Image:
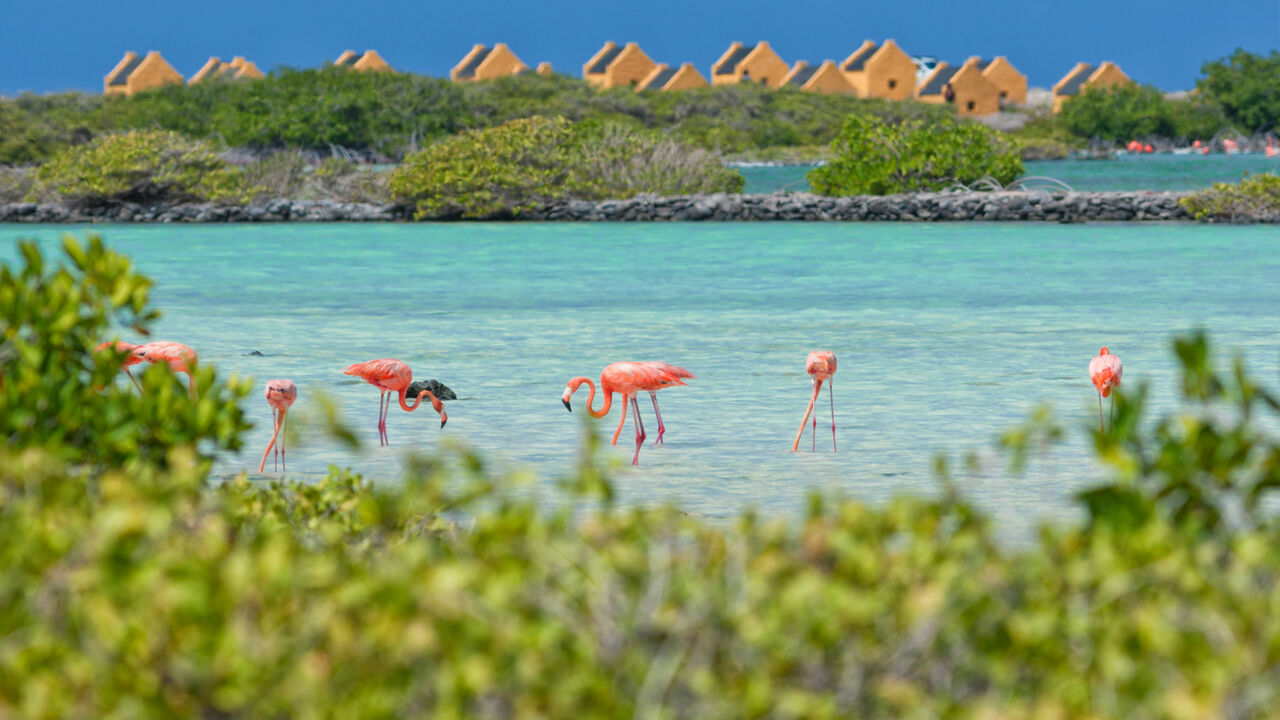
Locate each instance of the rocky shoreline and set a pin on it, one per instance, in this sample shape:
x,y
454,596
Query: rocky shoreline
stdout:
x,y
1058,206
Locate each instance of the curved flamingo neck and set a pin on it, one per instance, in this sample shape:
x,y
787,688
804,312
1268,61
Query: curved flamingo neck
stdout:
x,y
416,401
591,396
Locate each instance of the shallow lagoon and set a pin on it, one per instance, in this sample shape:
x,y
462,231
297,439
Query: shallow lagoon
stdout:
x,y
947,334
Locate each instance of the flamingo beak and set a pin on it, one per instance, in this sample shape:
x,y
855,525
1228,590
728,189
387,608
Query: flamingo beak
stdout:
x,y
443,420
566,405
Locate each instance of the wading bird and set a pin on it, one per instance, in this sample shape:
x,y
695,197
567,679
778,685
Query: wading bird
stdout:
x,y
130,359
821,365
629,379
280,396
179,358
1105,371
393,376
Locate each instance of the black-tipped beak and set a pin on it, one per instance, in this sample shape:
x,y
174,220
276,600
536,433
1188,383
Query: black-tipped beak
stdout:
x,y
566,405
443,421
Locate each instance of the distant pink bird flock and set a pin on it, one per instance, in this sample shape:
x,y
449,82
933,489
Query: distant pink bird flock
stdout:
x,y
628,379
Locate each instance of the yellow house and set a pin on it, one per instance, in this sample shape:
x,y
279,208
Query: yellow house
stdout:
x,y
971,92
618,66
880,71
749,63
1085,77
370,60
134,74
238,68
665,77
824,78
487,63
544,68
1011,84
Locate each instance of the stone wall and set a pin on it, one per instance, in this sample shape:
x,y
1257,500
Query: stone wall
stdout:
x,y
986,206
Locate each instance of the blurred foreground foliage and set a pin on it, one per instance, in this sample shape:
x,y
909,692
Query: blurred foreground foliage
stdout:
x,y
132,586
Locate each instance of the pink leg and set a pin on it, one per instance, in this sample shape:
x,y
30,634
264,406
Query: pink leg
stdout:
x,y
275,457
635,408
382,419
661,429
284,423
805,421
133,379
832,394
622,418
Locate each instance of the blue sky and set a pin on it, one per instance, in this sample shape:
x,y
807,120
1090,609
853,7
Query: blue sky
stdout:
x,y
56,45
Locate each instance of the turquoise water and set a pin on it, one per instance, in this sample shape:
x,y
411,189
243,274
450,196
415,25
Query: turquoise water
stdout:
x,y
1127,172
947,334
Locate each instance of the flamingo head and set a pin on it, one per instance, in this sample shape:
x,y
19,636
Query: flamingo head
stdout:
x,y
439,408
569,390
1104,351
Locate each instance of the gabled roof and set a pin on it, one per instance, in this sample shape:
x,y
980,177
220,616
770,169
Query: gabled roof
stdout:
x,y
122,76
731,63
348,58
802,74
938,80
602,63
859,59
1073,83
469,70
659,79
982,64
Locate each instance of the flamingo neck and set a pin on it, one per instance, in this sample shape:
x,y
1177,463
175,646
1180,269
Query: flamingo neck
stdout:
x,y
591,396
416,401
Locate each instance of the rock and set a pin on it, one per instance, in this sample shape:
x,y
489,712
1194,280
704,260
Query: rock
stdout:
x,y
254,353
436,387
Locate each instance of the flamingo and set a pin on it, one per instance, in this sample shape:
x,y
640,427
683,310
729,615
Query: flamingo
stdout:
x,y
389,375
821,366
130,358
629,379
179,358
1105,371
280,396
1272,151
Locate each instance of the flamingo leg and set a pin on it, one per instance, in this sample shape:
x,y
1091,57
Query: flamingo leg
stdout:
x,y
263,464
382,423
1100,426
621,419
635,409
661,429
284,423
832,393
275,415
809,410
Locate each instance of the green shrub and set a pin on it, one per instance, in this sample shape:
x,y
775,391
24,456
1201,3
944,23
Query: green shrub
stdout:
x,y
1128,112
1255,197
1244,85
129,587
139,166
527,164
287,174
877,158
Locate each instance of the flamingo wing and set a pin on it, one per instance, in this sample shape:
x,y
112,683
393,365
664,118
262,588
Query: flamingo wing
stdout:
x,y
629,377
383,373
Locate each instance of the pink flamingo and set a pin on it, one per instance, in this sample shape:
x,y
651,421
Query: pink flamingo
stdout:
x,y
821,366
123,347
393,376
1272,151
1105,371
280,396
179,358
629,379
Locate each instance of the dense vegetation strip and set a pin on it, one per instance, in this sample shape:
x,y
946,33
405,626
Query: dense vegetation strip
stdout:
x,y
132,586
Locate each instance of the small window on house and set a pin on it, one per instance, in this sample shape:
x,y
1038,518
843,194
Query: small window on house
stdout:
x,y
764,81
893,84
633,83
971,105
1004,95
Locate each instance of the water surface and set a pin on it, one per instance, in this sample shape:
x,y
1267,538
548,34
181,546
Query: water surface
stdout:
x,y
946,335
